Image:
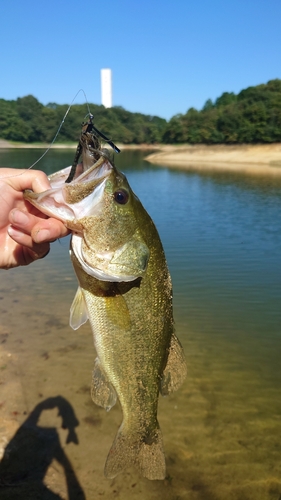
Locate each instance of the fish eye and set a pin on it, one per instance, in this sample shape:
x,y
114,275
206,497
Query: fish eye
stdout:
x,y
121,196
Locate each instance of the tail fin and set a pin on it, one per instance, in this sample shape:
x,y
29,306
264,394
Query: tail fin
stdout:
x,y
146,453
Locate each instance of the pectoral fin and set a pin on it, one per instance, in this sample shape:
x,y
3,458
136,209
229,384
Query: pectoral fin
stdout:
x,y
102,392
78,311
131,259
175,370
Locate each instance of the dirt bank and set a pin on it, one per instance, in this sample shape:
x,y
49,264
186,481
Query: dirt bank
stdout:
x,y
11,145
247,158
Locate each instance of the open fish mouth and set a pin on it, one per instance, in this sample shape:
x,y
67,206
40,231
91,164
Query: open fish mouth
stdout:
x,y
77,199
97,171
77,190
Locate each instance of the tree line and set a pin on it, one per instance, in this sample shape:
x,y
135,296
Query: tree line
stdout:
x,y
27,120
251,116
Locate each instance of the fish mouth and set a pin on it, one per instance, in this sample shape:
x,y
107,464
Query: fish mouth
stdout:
x,y
72,201
99,170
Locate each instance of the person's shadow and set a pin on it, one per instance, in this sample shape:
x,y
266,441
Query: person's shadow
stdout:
x,y
31,451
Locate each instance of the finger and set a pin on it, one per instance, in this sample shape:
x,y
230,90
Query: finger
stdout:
x,y
41,230
48,230
23,221
26,179
38,250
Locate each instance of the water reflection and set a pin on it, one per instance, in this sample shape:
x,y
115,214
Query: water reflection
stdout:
x,y
32,450
24,158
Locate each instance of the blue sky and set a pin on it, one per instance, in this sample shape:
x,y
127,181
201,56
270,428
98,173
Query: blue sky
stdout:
x,y
165,56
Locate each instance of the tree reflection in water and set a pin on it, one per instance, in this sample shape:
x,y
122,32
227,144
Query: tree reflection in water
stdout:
x,y
31,451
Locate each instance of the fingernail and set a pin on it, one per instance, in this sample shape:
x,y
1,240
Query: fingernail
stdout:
x,y
20,217
42,235
13,232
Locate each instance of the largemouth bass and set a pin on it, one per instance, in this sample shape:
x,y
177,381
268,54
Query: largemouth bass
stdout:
x,y
125,291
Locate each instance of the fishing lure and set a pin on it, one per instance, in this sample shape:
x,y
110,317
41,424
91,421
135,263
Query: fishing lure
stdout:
x,y
90,138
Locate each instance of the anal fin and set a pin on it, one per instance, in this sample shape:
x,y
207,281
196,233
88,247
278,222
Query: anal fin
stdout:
x,y
102,392
175,370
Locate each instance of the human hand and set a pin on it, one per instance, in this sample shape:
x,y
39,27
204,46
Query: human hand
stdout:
x,y
25,232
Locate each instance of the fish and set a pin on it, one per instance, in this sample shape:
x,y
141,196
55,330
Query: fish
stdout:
x,y
125,291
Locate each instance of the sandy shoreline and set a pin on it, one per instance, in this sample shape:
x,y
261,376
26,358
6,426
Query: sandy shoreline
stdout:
x,y
255,159
10,145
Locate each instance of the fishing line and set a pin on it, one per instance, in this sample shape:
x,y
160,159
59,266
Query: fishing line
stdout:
x,y
55,137
61,124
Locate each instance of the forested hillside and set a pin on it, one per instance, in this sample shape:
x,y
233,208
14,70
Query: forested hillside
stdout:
x,y
252,116
27,120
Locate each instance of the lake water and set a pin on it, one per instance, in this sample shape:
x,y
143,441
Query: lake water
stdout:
x,y
222,430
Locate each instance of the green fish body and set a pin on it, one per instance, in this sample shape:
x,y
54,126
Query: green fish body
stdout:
x,y
125,291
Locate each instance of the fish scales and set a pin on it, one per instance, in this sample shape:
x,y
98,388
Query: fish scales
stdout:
x,y
125,291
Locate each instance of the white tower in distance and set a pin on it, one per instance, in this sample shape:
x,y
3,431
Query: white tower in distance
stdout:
x,y
106,88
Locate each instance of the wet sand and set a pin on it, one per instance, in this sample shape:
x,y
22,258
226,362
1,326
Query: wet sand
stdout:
x,y
214,449
218,446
